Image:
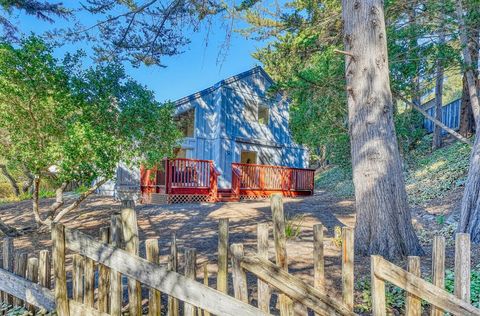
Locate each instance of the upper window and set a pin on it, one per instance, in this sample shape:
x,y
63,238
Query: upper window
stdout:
x,y
186,123
257,112
263,114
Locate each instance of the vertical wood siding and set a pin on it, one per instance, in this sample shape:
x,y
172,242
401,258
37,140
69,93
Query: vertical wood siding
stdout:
x,y
450,116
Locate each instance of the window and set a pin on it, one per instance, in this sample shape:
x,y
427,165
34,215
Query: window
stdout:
x,y
257,112
186,123
263,114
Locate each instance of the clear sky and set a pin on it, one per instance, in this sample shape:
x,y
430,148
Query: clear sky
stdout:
x,y
197,68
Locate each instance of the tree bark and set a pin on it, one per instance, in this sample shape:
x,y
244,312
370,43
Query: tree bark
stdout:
x,y
467,121
470,209
384,224
35,201
10,179
437,131
29,181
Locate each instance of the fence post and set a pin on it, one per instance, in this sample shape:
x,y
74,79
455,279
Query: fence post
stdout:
x,y
239,277
286,304
190,272
103,276
462,266
222,275
154,298
58,254
77,278
32,275
44,269
347,266
263,289
130,237
438,269
379,306
20,269
89,277
173,266
318,257
115,277
8,264
205,282
413,305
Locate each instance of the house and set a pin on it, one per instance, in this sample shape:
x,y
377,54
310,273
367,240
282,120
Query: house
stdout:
x,y
236,137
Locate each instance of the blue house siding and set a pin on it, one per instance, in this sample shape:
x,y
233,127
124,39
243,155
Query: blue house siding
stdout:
x,y
450,116
222,129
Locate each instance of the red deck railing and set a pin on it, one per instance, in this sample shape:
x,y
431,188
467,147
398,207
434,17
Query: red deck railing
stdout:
x,y
198,177
180,176
251,179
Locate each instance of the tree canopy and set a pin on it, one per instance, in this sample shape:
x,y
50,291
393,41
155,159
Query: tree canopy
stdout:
x,y
65,124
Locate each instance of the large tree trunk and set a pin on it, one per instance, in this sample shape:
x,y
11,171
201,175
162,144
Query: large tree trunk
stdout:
x,y
467,121
384,224
470,209
437,131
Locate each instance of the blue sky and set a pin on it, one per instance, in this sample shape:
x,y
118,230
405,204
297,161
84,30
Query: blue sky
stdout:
x,y
197,68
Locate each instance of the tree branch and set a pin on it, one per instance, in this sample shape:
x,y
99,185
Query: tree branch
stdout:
x,y
10,179
434,120
79,200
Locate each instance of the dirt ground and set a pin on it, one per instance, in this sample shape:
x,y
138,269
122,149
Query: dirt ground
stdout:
x,y
195,225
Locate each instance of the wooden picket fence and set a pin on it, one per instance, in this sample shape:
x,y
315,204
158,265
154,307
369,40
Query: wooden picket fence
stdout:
x,y
95,284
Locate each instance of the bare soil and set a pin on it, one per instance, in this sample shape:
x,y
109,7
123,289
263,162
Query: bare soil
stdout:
x,y
195,225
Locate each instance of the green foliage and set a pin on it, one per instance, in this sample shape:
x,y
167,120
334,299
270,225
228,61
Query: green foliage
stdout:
x,y
66,124
293,225
409,128
337,180
432,174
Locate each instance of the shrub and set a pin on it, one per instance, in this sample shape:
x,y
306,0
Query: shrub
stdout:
x,y
337,180
293,225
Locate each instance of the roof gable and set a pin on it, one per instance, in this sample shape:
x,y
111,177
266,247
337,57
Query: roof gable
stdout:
x,y
221,83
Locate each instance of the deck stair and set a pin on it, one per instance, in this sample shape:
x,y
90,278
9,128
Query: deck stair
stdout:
x,y
226,195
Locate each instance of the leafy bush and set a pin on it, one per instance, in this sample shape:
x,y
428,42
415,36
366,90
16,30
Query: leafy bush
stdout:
x,y
337,180
432,174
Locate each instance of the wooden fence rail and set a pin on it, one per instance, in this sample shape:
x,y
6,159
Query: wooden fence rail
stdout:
x,y
116,257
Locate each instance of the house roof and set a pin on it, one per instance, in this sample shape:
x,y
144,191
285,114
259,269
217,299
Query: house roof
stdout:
x,y
221,83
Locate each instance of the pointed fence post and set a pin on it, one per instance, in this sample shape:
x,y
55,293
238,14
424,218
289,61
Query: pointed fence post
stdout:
x,y
154,298
239,277
8,256
438,269
131,239
116,291
173,303
462,266
222,275
379,305
347,266
103,276
263,288
413,305
278,216
32,275
58,254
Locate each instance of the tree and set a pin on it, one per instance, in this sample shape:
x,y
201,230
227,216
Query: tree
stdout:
x,y
383,223
43,10
437,131
68,125
470,209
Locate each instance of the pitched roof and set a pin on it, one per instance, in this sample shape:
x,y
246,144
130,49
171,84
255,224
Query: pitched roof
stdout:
x,y
221,83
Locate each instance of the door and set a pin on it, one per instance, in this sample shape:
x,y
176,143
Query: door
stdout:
x,y
248,157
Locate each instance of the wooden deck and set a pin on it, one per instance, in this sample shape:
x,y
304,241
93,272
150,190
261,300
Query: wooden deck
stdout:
x,y
193,180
